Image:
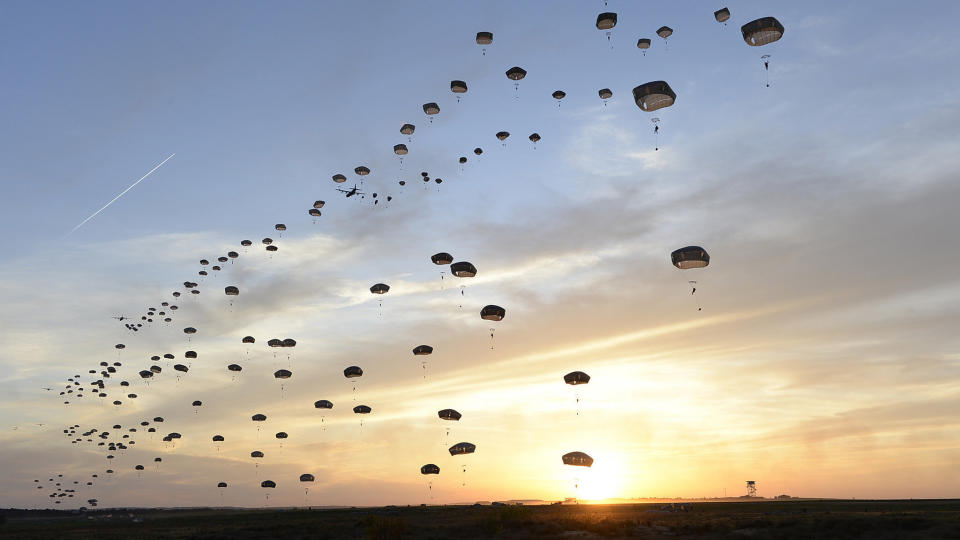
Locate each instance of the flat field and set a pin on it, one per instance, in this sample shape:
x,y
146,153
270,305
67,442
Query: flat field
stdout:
x,y
798,519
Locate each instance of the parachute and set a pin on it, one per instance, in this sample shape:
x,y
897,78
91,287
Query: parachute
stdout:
x,y
690,257
362,170
352,371
515,74
181,367
380,288
762,31
400,149
282,374
534,138
577,459
449,414
268,484
248,243
458,87
362,409
306,478
221,484
318,204
197,403
339,178
665,32
218,438
431,109
463,269
462,448
248,339
235,367
323,404
605,23
119,346
280,227
643,44
429,468
654,95
493,313
231,290
256,454
484,38
422,350
576,377
722,15
258,417
503,135
441,258
281,435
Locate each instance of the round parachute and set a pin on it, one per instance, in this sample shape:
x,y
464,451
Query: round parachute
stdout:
x,y
361,409
576,377
323,404
339,178
400,149
463,269
762,31
516,73
431,108
606,21
268,484
458,87
493,313
690,257
282,374
665,32
422,350
577,459
654,95
352,372
258,417
408,129
449,414
248,339
429,468
484,38
722,15
306,478
380,288
462,448
441,258
231,290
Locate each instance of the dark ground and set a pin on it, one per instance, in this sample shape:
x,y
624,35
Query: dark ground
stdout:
x,y
803,519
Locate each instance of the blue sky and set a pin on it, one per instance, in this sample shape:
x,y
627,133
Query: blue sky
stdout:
x,y
821,200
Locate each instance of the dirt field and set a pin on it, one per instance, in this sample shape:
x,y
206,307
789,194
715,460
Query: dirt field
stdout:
x,y
875,520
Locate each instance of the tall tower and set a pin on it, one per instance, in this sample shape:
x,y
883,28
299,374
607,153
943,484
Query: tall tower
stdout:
x,y
751,488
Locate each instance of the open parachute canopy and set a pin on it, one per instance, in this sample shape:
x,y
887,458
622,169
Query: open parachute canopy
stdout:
x,y
762,31
493,313
577,459
352,371
323,404
722,14
462,448
422,350
606,21
449,414
654,95
463,269
690,257
380,288
429,468
576,377
441,258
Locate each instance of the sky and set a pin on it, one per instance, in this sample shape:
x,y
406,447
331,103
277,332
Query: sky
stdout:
x,y
824,360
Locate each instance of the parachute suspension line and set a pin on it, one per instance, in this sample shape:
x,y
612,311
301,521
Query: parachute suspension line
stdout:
x,y
656,133
766,67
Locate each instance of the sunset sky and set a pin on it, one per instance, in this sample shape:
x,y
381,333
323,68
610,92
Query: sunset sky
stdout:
x,y
825,361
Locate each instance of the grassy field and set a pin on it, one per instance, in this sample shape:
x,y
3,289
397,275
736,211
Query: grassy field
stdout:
x,y
875,520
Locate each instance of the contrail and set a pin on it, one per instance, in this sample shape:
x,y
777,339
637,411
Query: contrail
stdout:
x,y
93,215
